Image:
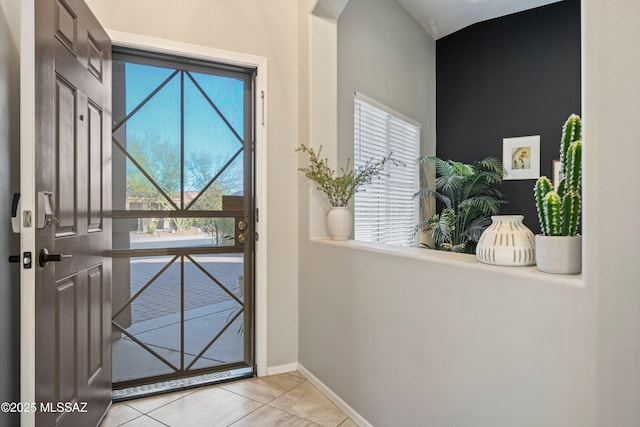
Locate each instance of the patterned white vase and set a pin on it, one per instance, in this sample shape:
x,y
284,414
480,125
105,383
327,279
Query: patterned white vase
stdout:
x,y
507,241
340,222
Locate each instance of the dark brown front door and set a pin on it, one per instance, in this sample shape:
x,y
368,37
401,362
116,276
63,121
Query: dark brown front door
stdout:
x,y
73,151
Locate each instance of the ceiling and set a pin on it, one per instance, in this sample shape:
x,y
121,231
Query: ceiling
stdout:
x,y
443,17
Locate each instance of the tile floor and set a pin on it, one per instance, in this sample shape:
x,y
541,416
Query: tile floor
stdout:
x,y
286,400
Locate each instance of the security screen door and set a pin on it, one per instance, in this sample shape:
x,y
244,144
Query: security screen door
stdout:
x,y
183,221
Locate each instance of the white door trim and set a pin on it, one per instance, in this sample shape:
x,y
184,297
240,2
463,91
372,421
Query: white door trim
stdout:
x,y
27,196
218,55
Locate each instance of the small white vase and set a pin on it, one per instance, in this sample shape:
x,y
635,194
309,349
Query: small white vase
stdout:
x,y
559,254
340,222
507,241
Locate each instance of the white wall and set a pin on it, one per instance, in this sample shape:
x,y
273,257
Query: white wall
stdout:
x,y
611,93
267,29
9,175
418,342
385,54
408,342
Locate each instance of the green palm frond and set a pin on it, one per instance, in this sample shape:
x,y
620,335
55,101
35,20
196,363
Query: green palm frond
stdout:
x,y
442,226
490,164
470,198
450,183
443,167
486,204
477,227
462,169
494,192
427,192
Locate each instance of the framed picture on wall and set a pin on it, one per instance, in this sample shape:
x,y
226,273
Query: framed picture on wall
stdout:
x,y
556,174
521,157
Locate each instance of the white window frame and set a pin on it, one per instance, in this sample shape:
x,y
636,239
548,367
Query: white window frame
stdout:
x,y
382,197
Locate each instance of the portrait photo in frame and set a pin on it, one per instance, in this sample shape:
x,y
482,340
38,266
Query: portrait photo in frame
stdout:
x,y
521,157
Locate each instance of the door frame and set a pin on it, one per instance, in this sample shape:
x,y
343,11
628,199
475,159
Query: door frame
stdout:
x,y
27,203
27,183
170,47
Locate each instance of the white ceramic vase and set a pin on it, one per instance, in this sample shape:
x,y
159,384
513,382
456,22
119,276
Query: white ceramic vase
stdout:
x,y
340,222
559,254
507,241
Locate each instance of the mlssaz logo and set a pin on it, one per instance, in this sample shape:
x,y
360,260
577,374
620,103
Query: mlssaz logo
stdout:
x,y
63,407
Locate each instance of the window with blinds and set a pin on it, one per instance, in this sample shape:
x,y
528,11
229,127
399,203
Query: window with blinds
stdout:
x,y
386,211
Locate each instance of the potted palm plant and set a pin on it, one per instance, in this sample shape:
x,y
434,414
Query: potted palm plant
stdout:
x,y
339,189
468,197
559,248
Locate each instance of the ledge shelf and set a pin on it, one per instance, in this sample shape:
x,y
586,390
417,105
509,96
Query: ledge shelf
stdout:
x,y
457,260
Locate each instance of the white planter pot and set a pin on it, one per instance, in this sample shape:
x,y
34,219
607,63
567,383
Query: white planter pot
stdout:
x,y
340,222
507,241
559,254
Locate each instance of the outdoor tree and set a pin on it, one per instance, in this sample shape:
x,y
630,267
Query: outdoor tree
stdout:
x,y
202,168
160,160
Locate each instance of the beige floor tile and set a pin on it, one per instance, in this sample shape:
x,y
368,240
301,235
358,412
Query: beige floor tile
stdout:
x,y
297,374
272,417
348,423
309,403
263,389
143,421
148,404
118,414
208,407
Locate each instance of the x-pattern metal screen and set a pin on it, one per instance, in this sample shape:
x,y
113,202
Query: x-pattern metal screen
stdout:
x,y
183,218
180,75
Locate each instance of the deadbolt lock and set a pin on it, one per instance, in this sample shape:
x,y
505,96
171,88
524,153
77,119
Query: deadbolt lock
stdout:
x,y
242,225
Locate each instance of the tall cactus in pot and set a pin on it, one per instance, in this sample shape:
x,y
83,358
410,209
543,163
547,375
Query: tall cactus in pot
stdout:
x,y
559,212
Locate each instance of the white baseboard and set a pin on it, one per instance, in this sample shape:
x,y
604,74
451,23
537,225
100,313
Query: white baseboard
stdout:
x,y
344,407
282,369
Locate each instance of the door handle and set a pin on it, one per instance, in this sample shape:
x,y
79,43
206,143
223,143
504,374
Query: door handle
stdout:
x,y
45,257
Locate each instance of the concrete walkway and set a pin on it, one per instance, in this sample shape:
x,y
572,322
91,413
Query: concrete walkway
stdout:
x,y
156,316
162,297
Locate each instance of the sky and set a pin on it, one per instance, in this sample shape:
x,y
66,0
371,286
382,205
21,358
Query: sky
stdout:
x,y
205,133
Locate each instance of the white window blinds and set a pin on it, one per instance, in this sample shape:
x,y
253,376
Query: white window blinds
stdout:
x,y
386,211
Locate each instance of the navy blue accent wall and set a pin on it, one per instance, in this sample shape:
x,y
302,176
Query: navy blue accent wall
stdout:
x,y
517,75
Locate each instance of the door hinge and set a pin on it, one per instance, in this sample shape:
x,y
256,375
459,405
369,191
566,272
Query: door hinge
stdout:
x,y
257,215
262,108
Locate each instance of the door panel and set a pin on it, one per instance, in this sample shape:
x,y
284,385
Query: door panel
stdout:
x,y
73,293
94,116
66,29
95,55
66,333
95,338
66,157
